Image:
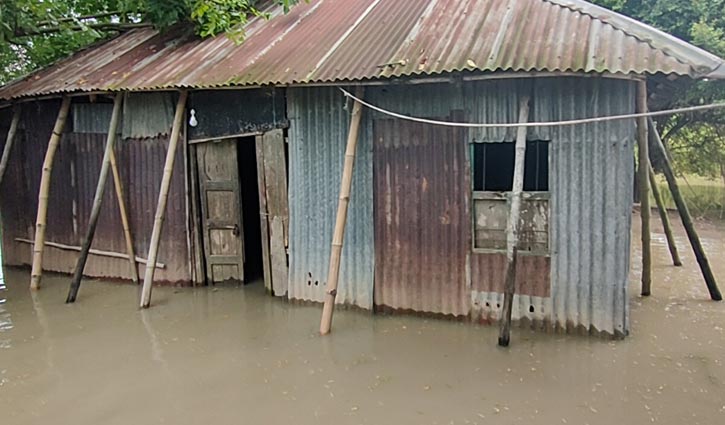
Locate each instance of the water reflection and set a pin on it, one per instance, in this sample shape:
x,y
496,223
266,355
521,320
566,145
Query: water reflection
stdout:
x,y
6,322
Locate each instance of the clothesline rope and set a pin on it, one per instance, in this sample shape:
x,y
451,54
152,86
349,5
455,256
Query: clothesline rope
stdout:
x,y
535,124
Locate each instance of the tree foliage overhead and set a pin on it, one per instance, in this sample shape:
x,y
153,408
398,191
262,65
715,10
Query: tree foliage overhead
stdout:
x,y
35,33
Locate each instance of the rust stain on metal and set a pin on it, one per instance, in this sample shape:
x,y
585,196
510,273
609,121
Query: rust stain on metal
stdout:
x,y
533,274
422,217
352,40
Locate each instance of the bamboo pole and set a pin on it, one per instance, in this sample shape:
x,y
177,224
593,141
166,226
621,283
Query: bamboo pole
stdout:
x,y
118,185
99,252
163,198
9,141
339,233
40,222
97,200
512,231
685,215
643,181
665,219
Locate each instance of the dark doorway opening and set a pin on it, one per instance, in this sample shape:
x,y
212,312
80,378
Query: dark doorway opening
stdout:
x,y
249,188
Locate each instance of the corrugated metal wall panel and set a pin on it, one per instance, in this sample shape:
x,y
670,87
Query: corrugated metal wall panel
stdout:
x,y
73,183
591,183
422,217
591,169
317,137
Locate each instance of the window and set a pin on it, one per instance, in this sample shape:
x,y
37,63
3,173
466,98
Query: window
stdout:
x,y
493,167
493,173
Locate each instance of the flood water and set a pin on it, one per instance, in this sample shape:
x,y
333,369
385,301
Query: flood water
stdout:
x,y
235,356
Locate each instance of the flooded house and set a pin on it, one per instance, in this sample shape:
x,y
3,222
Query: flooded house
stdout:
x,y
255,182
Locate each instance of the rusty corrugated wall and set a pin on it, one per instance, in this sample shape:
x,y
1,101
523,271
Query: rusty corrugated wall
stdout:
x,y
590,194
73,182
422,217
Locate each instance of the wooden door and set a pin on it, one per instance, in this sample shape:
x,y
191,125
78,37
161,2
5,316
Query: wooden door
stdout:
x,y
272,175
221,210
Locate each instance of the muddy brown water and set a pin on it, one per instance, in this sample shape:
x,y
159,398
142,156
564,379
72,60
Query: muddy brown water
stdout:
x,y
235,356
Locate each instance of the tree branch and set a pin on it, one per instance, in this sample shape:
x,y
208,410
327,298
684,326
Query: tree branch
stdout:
x,y
55,22
106,26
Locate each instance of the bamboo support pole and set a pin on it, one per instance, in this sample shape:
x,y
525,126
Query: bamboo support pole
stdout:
x,y
339,233
665,219
512,232
685,215
40,222
163,198
118,185
9,141
643,182
97,200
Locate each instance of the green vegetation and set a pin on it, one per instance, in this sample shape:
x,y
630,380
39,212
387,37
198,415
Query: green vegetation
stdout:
x,y
36,33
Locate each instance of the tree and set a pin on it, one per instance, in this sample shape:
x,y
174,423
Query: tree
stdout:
x,y
36,33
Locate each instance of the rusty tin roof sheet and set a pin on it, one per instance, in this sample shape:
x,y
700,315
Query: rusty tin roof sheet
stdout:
x,y
348,40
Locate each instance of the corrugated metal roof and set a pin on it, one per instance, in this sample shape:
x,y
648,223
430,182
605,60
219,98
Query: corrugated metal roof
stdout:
x,y
345,40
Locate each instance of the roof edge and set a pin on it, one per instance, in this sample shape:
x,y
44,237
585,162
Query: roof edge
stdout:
x,y
675,46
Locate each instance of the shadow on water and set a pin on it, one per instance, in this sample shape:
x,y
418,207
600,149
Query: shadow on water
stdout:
x,y
235,355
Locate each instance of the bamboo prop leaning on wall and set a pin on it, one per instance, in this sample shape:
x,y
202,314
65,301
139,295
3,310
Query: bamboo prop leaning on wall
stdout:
x,y
40,222
664,218
684,214
512,232
97,200
163,198
118,185
643,182
9,141
338,237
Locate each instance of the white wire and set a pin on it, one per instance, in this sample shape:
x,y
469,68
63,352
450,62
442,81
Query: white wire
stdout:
x,y
535,124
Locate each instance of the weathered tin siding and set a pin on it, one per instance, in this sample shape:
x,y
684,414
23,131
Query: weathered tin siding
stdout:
x,y
74,178
317,137
422,217
591,169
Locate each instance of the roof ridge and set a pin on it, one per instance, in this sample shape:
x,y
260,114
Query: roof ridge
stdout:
x,y
590,9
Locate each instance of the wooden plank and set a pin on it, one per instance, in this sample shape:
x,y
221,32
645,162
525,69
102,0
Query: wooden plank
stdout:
x,y
9,141
98,252
513,224
43,193
278,258
275,178
196,225
643,184
685,216
263,214
98,201
665,219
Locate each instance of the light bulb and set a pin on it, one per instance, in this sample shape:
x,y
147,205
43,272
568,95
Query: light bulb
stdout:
x,y
192,121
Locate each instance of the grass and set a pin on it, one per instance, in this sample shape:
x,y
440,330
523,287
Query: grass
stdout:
x,y
705,197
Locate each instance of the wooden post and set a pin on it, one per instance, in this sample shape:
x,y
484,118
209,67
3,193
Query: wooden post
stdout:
x,y
97,201
685,215
643,179
338,236
512,232
9,141
40,222
118,185
665,219
163,198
